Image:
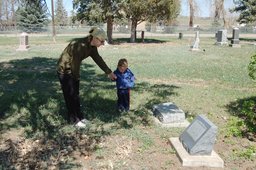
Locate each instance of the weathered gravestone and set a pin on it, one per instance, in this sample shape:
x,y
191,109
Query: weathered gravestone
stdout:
x,y
23,42
222,37
195,45
168,113
195,145
199,137
235,38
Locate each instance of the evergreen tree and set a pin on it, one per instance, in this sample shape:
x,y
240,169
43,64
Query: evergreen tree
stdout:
x,y
32,16
61,15
247,9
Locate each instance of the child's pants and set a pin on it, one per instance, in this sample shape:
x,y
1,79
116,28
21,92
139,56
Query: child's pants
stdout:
x,y
123,102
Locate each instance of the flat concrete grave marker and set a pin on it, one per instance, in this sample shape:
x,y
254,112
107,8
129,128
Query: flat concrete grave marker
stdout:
x,y
170,115
195,145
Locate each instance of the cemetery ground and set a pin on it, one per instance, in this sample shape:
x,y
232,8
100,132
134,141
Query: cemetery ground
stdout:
x,y
35,135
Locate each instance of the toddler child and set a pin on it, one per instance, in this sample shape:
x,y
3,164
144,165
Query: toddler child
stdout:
x,y
124,82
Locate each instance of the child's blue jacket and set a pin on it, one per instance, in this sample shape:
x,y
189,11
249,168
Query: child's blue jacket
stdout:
x,y
125,80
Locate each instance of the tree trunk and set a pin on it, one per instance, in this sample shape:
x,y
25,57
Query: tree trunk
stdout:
x,y
6,13
191,13
133,31
223,14
110,29
153,27
53,23
1,7
220,11
13,14
217,11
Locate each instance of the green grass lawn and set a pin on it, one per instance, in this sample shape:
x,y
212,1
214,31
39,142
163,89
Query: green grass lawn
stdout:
x,y
210,81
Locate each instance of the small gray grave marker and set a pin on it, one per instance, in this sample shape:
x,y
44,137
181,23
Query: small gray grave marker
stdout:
x,y
235,38
168,113
180,35
222,37
199,137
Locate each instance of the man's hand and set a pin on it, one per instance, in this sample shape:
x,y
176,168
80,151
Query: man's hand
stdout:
x,y
112,76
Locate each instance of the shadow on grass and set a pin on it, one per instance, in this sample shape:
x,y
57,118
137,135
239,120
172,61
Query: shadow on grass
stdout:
x,y
103,108
31,98
236,107
138,40
143,113
245,39
246,110
26,86
118,41
248,39
31,95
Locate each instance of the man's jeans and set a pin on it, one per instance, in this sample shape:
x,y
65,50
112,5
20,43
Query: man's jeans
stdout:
x,y
70,88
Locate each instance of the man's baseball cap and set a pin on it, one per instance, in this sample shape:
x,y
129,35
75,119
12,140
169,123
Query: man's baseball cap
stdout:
x,y
98,33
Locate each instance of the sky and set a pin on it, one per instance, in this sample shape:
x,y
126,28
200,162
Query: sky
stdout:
x,y
204,6
67,4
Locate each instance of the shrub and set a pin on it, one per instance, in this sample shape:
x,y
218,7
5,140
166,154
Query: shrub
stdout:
x,y
252,67
249,111
235,127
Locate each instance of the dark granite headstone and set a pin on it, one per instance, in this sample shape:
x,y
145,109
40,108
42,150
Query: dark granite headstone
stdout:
x,y
235,38
199,137
180,35
222,37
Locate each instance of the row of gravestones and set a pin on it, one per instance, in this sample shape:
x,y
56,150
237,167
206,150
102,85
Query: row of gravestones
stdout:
x,y
221,37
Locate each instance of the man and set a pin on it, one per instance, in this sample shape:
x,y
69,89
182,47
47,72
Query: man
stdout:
x,y
68,70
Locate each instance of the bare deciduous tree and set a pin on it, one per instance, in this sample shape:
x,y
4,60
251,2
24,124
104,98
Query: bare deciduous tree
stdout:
x,y
219,12
191,12
7,13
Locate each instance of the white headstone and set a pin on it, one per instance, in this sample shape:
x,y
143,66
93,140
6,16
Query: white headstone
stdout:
x,y
195,46
23,42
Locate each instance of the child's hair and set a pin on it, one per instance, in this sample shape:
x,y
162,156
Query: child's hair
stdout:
x,y
122,62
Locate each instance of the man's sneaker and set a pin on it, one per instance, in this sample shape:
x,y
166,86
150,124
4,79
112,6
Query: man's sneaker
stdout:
x,y
80,124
